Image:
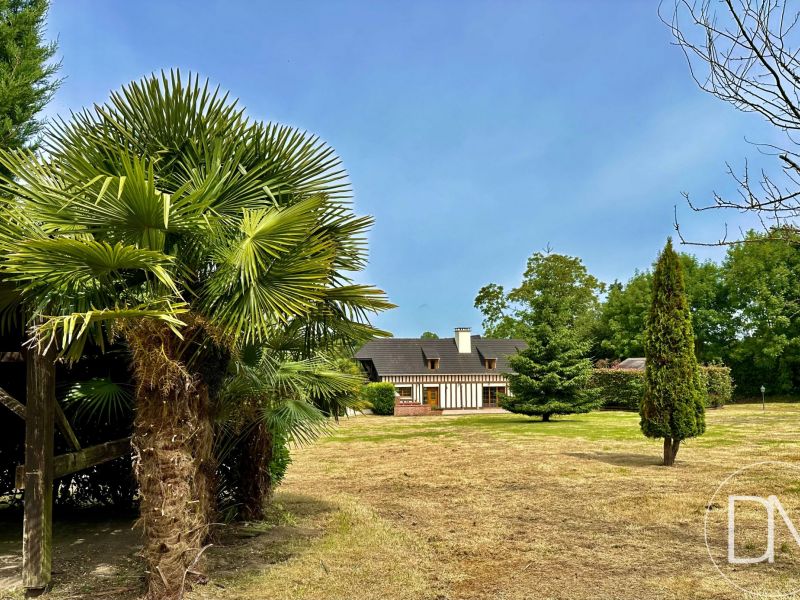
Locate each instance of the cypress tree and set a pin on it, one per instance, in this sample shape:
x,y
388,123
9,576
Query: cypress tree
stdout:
x,y
27,77
672,407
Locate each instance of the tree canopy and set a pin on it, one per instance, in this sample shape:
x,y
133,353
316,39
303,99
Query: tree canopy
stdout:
x,y
556,290
744,313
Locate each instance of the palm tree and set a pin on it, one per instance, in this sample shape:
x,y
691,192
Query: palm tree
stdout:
x,y
268,401
166,219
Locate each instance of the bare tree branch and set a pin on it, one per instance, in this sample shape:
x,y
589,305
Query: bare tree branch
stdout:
x,y
747,53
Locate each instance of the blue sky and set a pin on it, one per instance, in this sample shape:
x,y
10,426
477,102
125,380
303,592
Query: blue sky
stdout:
x,y
475,132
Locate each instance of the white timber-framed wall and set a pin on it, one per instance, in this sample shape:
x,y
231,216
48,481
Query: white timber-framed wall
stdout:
x,y
455,391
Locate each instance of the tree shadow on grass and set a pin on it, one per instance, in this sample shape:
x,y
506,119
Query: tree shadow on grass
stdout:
x,y
518,420
620,459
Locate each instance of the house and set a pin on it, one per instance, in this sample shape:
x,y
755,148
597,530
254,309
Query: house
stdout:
x,y
465,371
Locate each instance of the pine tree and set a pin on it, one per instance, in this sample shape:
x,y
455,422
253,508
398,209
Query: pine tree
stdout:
x,y
27,78
551,376
672,407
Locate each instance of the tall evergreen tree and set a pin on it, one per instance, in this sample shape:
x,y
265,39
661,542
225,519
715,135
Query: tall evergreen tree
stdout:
x,y
672,407
551,376
27,77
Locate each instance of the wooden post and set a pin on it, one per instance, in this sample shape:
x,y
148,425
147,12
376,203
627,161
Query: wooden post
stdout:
x,y
37,536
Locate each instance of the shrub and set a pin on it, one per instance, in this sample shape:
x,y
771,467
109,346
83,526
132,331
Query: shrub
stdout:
x,y
281,458
619,388
380,396
719,385
624,388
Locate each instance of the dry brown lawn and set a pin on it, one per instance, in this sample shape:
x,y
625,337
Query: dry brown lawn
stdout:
x,y
503,507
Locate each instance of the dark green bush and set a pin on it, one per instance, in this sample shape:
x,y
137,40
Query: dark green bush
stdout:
x,y
280,459
380,396
624,388
719,385
619,388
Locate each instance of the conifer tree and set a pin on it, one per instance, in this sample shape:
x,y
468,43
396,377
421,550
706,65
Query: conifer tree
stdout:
x,y
27,77
672,407
551,377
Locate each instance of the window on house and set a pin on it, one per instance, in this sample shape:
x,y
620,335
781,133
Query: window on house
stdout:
x,y
404,392
491,395
490,363
433,364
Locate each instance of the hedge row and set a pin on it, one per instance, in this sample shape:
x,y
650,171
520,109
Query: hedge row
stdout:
x,y
380,396
624,388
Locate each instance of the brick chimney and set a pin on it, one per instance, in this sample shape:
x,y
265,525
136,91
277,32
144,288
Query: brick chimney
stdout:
x,y
464,340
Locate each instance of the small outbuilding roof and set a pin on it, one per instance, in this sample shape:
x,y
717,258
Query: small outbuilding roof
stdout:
x,y
632,363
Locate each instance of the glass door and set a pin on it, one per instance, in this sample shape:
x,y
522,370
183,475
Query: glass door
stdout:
x,y
432,396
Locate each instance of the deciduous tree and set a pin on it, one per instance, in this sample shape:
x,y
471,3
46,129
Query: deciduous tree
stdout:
x,y
554,287
744,52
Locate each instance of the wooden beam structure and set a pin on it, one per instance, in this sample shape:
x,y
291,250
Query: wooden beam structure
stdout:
x,y
67,464
37,534
42,414
66,429
12,404
73,462
62,422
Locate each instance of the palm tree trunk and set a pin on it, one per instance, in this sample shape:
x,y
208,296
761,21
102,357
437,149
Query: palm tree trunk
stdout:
x,y
172,448
205,480
254,475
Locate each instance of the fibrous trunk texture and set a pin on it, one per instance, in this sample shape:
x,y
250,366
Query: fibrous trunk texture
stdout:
x,y
172,445
254,477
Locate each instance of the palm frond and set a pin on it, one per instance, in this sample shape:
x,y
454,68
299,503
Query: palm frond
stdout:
x,y
70,332
98,399
299,420
73,266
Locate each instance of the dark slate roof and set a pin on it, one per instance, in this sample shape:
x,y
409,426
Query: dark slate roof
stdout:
x,y
631,363
403,356
430,350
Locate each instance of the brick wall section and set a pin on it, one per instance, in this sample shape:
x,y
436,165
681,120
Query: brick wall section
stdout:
x,y
414,410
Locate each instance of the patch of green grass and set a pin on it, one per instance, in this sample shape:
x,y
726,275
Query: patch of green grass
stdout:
x,y
776,399
385,437
725,427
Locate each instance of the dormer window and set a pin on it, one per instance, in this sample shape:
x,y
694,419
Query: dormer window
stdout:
x,y
490,363
433,364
